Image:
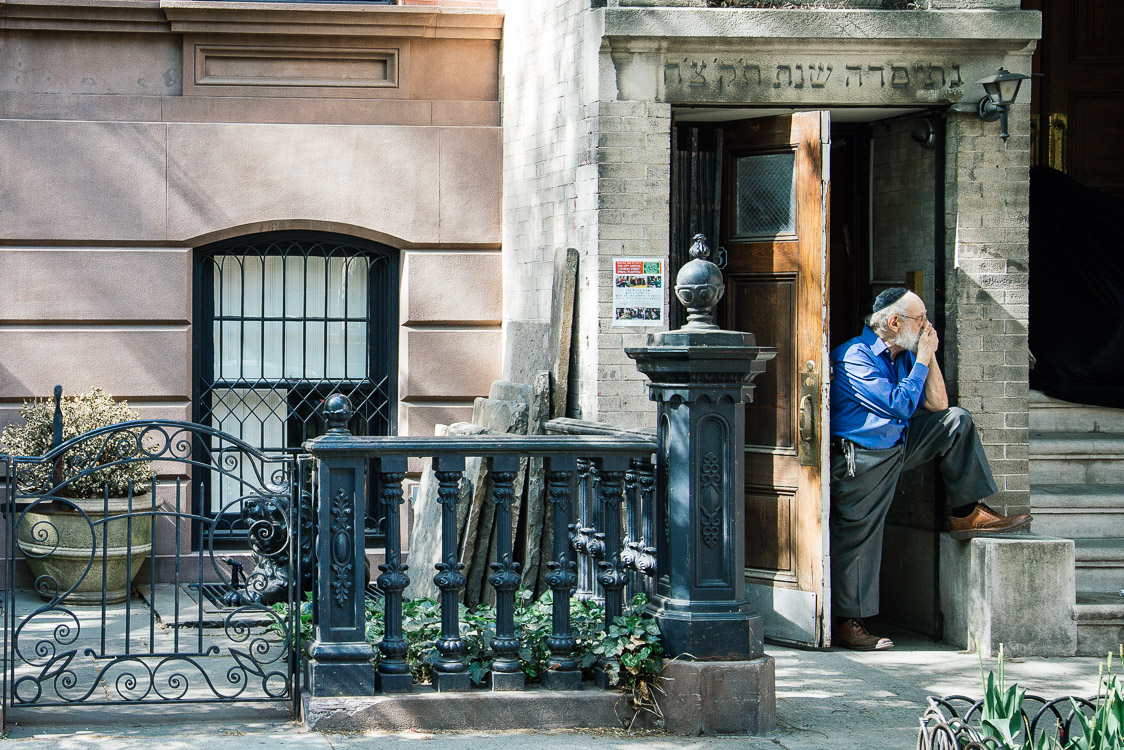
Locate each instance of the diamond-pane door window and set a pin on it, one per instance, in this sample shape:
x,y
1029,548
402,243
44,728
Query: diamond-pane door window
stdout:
x,y
766,195
285,321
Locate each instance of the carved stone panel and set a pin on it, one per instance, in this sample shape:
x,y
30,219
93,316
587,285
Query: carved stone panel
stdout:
x,y
752,78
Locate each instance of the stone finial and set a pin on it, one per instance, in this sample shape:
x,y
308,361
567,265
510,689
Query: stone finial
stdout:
x,y
699,286
338,412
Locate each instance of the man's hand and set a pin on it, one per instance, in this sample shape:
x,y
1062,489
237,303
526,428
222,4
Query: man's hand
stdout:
x,y
927,344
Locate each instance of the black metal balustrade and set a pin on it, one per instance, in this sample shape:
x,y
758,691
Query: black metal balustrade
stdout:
x,y
340,662
673,526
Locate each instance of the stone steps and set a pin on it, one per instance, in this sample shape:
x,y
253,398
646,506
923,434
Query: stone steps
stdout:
x,y
1078,511
1077,492
1100,623
1088,458
1053,415
1099,565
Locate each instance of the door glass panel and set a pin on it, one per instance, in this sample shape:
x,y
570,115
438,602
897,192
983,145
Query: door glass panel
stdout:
x,y
766,193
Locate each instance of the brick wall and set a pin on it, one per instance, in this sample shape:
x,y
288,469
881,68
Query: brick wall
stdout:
x,y
547,151
987,273
585,171
903,192
634,171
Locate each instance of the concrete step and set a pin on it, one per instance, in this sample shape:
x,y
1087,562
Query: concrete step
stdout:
x,y
1076,458
1054,415
1078,511
1100,623
1099,565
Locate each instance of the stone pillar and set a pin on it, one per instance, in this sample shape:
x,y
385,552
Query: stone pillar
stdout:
x,y
339,656
700,377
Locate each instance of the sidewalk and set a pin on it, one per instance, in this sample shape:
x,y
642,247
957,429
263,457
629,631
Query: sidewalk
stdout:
x,y
826,700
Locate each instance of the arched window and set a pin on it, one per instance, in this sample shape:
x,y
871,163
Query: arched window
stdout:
x,y
284,320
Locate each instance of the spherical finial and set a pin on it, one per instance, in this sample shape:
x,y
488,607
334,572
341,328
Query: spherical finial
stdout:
x,y
699,286
338,412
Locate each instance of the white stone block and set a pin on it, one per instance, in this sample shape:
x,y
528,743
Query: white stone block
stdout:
x,y
1017,590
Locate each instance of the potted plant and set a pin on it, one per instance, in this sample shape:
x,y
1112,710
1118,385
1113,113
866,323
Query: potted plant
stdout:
x,y
84,524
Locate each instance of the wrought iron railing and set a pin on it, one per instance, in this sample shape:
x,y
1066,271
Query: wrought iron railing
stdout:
x,y
954,722
599,489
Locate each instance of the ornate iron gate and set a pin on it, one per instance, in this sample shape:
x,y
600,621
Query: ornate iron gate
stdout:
x,y
197,624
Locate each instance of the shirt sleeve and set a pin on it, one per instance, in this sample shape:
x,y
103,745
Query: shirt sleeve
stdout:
x,y
876,392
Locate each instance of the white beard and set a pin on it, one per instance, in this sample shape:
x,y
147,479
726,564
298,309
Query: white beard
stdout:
x,y
907,341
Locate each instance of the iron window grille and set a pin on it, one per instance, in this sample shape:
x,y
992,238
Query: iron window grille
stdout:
x,y
285,320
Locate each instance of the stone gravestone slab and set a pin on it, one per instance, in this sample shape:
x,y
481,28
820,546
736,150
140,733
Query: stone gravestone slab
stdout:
x,y
537,526
561,326
498,417
425,537
526,350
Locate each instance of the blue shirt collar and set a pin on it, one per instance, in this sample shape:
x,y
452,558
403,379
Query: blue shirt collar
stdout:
x,y
871,339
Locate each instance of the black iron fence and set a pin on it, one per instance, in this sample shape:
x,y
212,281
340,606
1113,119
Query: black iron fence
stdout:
x,y
121,594
600,490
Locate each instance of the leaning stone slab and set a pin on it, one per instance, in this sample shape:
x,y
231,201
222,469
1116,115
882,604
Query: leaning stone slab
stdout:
x,y
537,530
561,325
425,537
500,417
526,351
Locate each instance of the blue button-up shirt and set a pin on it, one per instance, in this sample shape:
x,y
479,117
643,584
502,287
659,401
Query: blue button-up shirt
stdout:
x,y
873,395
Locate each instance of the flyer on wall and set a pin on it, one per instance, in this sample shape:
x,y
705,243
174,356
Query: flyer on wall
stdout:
x,y
638,292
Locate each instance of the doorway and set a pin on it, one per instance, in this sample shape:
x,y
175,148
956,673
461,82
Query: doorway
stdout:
x,y
811,214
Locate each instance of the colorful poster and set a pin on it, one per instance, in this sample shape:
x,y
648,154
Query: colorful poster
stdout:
x,y
638,292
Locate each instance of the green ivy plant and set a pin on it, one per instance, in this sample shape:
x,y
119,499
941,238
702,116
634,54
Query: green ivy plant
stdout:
x,y
630,650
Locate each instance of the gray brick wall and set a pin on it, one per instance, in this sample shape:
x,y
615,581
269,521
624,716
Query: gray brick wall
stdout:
x,y
902,218
987,275
596,178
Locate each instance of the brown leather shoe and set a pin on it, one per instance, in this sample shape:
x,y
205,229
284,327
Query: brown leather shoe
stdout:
x,y
852,634
984,520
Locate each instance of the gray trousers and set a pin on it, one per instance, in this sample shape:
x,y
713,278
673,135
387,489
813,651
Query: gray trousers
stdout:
x,y
859,503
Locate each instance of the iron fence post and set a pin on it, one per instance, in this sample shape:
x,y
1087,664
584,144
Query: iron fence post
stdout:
x,y
340,658
450,671
562,669
394,671
700,377
507,672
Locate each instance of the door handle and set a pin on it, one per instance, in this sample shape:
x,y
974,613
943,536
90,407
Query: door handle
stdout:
x,y
807,421
808,448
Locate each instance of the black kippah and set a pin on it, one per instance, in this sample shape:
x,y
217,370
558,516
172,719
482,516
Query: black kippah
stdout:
x,y
888,297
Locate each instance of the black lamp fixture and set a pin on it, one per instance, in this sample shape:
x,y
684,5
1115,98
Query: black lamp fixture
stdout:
x,y
1002,89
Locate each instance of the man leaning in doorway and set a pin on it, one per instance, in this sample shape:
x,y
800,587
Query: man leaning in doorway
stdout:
x,y
890,412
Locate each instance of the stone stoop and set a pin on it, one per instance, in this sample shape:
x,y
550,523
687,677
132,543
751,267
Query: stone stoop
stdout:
x,y
1077,492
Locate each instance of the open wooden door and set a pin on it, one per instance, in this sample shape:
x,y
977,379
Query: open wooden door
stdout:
x,y
774,229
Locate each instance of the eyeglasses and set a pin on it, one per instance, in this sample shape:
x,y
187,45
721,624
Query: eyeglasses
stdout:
x,y
924,318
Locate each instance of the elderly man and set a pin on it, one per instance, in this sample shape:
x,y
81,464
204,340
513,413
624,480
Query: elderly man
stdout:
x,y
890,412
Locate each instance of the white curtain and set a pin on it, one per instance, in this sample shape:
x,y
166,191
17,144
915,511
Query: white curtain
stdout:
x,y
298,318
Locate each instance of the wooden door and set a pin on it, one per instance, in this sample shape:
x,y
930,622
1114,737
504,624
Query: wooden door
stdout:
x,y
1078,103
774,229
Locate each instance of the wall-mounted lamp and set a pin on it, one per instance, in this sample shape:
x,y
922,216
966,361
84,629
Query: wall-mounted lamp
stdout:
x,y
1002,90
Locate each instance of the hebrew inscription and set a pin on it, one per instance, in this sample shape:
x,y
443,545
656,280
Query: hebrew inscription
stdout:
x,y
744,79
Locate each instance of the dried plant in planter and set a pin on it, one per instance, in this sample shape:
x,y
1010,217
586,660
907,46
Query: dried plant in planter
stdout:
x,y
121,451
80,529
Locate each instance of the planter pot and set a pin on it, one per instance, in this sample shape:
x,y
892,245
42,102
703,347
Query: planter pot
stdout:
x,y
89,554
